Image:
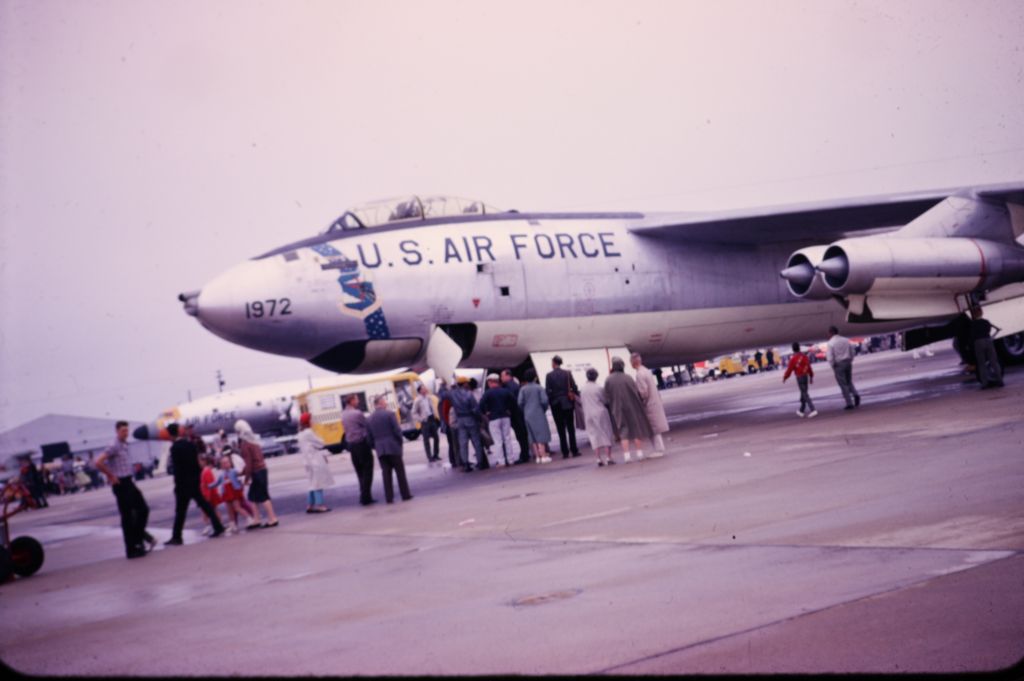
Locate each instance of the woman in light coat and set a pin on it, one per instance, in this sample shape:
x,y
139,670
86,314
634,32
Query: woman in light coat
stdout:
x,y
647,386
314,456
533,400
595,416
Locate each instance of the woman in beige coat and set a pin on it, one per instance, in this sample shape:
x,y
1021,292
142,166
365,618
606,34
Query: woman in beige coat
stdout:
x,y
647,386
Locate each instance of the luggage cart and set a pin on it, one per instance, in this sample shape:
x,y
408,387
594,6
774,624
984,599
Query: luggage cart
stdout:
x,y
22,556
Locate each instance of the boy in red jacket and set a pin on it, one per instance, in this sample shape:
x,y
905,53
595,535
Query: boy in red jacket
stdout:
x,y
800,364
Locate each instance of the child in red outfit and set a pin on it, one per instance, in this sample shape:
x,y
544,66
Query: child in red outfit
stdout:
x,y
800,364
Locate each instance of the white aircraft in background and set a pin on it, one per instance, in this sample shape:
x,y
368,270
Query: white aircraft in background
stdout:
x,y
443,281
269,409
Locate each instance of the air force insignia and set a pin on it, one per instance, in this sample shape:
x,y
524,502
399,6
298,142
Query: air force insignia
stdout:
x,y
358,299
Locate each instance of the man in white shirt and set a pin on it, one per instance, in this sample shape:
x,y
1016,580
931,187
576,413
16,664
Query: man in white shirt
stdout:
x,y
839,353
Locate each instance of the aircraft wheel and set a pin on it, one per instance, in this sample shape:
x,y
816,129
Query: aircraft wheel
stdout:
x,y
1011,348
6,565
26,556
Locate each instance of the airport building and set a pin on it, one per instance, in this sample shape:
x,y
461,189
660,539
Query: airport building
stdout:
x,y
51,436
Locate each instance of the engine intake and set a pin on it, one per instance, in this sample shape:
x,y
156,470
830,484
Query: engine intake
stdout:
x,y
802,278
918,265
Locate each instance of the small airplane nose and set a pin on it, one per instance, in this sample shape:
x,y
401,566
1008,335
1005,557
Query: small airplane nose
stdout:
x,y
150,431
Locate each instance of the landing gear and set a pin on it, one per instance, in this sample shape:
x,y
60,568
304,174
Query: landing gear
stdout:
x,y
1011,349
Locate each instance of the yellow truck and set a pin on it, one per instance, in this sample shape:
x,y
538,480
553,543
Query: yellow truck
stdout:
x,y
324,405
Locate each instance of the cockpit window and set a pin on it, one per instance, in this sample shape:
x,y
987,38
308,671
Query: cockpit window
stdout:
x,y
390,211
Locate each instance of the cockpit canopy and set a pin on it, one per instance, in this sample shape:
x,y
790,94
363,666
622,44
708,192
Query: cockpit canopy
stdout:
x,y
390,211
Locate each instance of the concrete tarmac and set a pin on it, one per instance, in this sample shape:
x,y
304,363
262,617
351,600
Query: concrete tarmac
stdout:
x,y
885,539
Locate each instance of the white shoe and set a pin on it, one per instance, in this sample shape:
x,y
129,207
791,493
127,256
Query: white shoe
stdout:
x,y
812,414
639,456
800,414
625,458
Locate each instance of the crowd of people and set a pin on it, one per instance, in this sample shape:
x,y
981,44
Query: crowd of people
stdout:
x,y
506,422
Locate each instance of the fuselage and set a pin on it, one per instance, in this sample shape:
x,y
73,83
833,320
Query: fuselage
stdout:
x,y
505,285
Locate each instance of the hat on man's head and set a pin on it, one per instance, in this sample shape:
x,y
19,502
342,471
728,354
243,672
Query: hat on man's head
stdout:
x,y
493,377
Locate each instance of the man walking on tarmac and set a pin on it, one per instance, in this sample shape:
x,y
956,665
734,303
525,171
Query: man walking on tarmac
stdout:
x,y
187,471
839,353
115,463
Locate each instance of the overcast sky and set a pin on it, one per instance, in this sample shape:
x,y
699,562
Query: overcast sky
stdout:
x,y
147,146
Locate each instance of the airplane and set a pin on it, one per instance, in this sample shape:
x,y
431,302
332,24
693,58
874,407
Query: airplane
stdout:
x,y
269,409
444,281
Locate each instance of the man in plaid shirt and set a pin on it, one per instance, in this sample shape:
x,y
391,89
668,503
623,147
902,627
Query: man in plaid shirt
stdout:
x,y
115,462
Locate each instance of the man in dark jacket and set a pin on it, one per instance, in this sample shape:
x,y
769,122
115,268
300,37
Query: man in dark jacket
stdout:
x,y
497,404
356,433
386,436
562,395
518,423
187,470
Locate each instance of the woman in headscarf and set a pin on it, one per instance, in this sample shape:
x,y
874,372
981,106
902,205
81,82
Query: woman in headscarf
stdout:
x,y
533,400
596,418
255,473
627,409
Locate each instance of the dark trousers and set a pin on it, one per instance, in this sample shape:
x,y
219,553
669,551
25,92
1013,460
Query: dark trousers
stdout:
x,y
181,498
565,422
453,457
134,515
519,428
362,461
429,432
389,463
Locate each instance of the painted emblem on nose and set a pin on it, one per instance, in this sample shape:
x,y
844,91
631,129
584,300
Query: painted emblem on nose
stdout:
x,y
358,298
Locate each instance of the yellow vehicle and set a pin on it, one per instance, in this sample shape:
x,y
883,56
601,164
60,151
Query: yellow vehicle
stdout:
x,y
325,404
730,366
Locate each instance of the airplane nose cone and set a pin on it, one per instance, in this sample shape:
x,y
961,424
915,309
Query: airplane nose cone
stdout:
x,y
253,304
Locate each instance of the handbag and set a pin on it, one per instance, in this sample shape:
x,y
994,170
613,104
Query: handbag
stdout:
x,y
485,432
577,409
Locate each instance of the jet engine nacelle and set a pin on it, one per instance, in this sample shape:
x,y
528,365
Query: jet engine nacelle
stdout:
x,y
919,265
801,275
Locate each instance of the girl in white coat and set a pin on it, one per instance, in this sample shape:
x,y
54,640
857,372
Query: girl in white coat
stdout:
x,y
314,456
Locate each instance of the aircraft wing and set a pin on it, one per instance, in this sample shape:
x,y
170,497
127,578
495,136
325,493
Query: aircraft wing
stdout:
x,y
821,221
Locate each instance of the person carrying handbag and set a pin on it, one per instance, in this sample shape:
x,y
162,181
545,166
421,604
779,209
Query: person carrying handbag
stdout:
x,y
562,396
